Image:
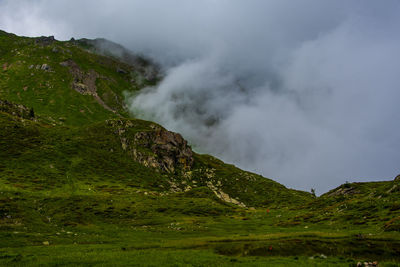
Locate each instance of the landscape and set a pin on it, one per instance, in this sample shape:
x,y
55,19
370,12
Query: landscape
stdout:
x,y
83,182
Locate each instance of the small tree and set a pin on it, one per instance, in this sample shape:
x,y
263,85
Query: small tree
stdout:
x,y
313,192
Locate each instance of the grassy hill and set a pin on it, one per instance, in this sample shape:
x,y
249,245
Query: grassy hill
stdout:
x,y
84,183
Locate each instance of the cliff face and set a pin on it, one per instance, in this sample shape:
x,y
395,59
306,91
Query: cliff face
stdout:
x,y
170,150
157,148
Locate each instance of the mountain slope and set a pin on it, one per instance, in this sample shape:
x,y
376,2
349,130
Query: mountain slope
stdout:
x,y
40,72
66,84
131,152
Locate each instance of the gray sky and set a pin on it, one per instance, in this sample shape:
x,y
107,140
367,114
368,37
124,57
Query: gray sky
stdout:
x,y
304,92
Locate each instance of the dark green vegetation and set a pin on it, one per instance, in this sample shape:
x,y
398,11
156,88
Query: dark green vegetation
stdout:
x,y
82,183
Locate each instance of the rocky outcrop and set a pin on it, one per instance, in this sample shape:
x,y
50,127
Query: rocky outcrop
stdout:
x,y
44,67
45,40
224,196
17,110
344,191
122,71
85,83
170,148
157,148
368,264
148,69
393,189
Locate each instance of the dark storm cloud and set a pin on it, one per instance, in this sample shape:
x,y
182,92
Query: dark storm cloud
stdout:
x,y
304,92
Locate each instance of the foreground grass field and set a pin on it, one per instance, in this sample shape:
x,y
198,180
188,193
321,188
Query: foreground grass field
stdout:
x,y
112,256
126,227
138,248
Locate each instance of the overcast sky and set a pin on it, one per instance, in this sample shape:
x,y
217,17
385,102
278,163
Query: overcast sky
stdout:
x,y
304,92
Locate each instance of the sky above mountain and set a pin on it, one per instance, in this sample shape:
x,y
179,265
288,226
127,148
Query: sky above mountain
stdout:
x,y
304,92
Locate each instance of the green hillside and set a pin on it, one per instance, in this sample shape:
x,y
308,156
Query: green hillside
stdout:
x,y
84,183
40,73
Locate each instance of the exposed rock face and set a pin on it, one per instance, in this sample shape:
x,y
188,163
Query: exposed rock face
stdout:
x,y
45,67
150,73
224,196
85,83
17,110
44,40
160,149
171,149
394,188
122,71
368,264
344,191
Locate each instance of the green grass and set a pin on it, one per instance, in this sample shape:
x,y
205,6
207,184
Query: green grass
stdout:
x,y
105,255
49,93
